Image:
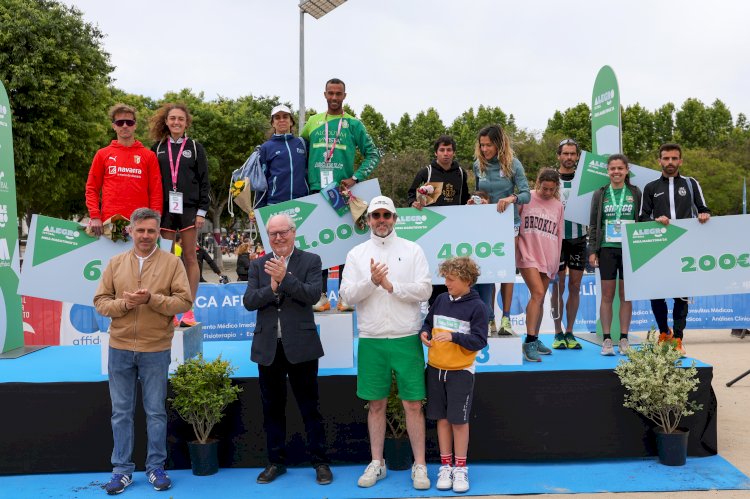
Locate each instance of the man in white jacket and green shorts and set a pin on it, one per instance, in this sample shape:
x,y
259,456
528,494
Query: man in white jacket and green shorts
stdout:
x,y
387,278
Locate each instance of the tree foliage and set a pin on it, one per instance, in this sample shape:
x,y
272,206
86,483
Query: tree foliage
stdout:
x,y
56,74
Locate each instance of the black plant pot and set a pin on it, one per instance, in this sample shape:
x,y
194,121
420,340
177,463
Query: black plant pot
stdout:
x,y
397,453
672,447
204,458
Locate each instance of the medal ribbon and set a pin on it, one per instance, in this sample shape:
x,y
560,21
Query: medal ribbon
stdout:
x,y
174,168
329,152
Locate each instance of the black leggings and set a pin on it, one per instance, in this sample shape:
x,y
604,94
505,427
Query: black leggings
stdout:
x,y
679,315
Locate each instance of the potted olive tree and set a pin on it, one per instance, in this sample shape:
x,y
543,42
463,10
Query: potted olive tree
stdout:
x,y
658,386
202,390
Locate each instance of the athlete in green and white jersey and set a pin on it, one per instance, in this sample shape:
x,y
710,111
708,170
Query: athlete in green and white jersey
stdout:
x,y
335,137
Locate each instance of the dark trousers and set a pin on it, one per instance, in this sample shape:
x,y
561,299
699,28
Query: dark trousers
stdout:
x,y
679,315
324,275
303,378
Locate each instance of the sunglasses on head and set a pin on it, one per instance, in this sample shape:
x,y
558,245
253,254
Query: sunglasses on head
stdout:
x,y
386,216
566,142
124,122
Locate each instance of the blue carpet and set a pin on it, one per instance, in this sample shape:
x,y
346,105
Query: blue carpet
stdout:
x,y
82,363
631,475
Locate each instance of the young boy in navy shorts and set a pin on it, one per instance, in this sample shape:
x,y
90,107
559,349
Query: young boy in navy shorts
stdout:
x,y
455,329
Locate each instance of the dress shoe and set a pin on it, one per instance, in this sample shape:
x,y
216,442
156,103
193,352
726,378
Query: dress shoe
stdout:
x,y
271,472
323,474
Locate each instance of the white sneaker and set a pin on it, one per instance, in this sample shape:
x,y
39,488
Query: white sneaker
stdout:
x,y
323,304
419,477
460,479
374,472
445,477
624,346
607,348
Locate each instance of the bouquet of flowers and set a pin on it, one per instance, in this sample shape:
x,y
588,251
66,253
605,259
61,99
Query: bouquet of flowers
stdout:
x,y
236,188
115,228
429,193
357,206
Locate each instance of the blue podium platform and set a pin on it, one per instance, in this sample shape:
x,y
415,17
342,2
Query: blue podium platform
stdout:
x,y
56,412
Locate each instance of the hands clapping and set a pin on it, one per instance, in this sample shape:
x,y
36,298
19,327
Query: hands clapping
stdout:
x,y
276,268
379,275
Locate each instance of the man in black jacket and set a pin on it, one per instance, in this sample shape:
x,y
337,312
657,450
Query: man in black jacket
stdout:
x,y
672,196
445,169
283,286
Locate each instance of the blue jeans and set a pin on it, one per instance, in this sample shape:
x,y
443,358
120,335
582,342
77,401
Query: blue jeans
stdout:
x,y
125,369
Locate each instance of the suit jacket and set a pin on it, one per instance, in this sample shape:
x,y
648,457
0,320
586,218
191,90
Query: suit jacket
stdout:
x,y
291,305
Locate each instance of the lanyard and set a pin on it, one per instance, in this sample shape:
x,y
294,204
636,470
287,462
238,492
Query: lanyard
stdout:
x,y
174,168
329,152
617,204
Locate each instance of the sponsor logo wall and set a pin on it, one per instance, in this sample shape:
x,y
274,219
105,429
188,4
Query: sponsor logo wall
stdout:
x,y
219,308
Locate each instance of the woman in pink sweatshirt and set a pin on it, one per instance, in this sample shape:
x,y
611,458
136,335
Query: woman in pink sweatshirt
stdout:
x,y
538,252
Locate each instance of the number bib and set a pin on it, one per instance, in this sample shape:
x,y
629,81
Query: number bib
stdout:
x,y
326,177
614,231
175,202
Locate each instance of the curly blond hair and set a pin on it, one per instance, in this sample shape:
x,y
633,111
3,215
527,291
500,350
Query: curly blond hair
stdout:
x,y
462,267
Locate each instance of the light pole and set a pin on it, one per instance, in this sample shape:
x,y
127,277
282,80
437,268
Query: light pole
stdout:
x,y
317,9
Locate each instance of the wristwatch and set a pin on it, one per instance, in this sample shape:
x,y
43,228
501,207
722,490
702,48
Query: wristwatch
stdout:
x,y
355,179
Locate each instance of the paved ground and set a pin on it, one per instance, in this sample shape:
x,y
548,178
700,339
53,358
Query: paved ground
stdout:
x,y
730,357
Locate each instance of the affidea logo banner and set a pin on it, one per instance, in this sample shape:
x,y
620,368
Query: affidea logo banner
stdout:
x,y
11,321
591,174
320,229
606,128
687,258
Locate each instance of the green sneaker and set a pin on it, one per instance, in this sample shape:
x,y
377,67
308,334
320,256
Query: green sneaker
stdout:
x,y
505,326
559,342
530,352
571,342
542,348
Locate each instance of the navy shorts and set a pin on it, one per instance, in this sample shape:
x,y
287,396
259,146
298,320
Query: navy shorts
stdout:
x,y
449,394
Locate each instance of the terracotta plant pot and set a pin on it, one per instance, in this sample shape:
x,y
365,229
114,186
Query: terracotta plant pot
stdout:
x,y
672,447
204,458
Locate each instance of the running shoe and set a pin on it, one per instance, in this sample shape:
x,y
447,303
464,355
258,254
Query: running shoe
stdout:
x,y
607,347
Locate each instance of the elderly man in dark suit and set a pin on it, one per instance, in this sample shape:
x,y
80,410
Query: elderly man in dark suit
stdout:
x,y
283,286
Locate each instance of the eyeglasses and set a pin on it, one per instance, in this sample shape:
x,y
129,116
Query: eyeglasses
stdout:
x,y
566,142
282,233
124,122
386,216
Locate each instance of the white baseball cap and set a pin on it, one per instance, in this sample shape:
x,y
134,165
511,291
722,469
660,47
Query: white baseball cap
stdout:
x,y
281,108
381,202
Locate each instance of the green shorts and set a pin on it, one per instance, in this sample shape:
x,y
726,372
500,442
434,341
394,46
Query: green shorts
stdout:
x,y
379,358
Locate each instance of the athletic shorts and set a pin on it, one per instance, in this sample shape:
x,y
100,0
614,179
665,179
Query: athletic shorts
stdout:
x,y
175,222
610,263
449,394
379,358
573,255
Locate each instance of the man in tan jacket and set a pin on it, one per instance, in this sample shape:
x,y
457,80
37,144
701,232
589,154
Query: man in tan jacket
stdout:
x,y
141,290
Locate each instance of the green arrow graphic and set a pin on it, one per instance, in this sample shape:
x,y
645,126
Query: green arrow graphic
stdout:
x,y
413,224
55,237
593,174
298,210
648,239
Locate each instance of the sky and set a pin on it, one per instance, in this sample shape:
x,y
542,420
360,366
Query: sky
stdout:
x,y
528,57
